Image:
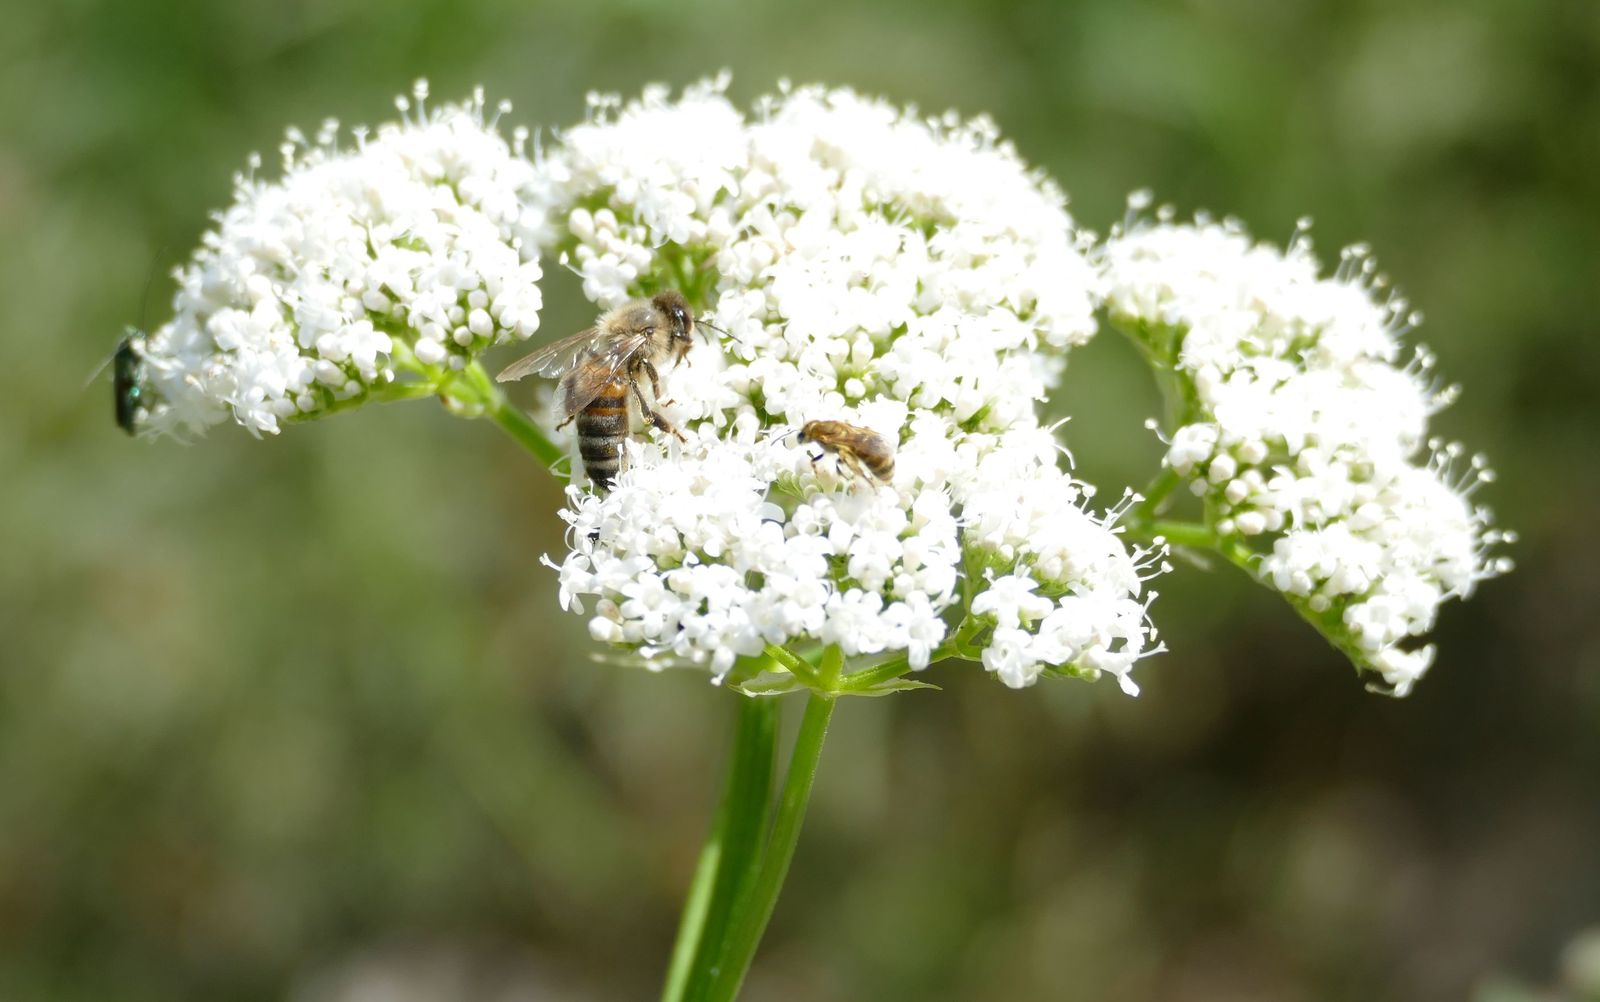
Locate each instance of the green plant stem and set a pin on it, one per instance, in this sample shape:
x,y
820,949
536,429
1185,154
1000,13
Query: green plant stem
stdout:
x,y
520,427
877,674
392,393
1192,534
473,394
1156,493
755,909
900,664
795,665
732,852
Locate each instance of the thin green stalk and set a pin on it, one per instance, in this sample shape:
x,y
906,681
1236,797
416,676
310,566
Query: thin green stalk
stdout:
x,y
1158,490
736,843
392,393
900,664
691,924
877,674
795,665
1191,534
755,909
520,427
890,669
475,393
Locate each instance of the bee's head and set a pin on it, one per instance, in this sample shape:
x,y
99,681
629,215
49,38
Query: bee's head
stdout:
x,y
680,322
673,306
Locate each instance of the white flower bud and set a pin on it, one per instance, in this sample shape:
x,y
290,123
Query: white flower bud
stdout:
x,y
429,352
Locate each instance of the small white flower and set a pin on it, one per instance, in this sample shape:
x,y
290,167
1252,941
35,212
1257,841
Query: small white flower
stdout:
x,y
1012,601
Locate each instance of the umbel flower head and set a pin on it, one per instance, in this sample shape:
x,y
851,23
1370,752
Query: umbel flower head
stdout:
x,y
864,264
1303,435
389,262
910,276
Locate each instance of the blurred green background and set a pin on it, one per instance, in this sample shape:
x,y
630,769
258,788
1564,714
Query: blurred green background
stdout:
x,y
300,719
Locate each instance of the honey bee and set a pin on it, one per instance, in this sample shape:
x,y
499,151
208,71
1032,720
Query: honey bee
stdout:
x,y
862,451
601,366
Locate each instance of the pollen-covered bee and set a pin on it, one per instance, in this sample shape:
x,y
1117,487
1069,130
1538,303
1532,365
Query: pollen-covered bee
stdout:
x,y
862,451
601,366
126,372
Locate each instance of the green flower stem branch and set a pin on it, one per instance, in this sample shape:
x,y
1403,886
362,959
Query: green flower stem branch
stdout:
x,y
1160,348
515,423
468,393
1191,534
471,393
1197,536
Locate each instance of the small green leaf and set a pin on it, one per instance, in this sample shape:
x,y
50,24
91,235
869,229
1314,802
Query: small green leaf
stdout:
x,y
889,686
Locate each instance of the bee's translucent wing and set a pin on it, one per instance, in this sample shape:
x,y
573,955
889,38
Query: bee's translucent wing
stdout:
x,y
587,379
553,359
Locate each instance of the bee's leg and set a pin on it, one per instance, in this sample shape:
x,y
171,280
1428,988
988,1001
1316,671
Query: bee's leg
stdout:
x,y
655,416
665,425
638,391
655,383
569,420
853,463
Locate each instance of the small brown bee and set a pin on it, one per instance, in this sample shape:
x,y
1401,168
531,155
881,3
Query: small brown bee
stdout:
x,y
601,366
862,451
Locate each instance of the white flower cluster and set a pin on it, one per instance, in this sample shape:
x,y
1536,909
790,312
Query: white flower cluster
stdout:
x,y
1304,438
410,253
905,275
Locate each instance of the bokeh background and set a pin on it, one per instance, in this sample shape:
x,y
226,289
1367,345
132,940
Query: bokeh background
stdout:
x,y
300,719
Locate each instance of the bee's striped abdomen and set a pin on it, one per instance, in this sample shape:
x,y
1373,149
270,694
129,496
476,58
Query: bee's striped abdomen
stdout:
x,y
879,461
862,451
602,427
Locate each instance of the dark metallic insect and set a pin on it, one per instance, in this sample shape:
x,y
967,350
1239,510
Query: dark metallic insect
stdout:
x,y
600,367
862,451
127,371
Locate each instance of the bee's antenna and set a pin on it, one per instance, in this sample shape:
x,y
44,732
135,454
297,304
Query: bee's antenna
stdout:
x,y
144,300
144,307
720,330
